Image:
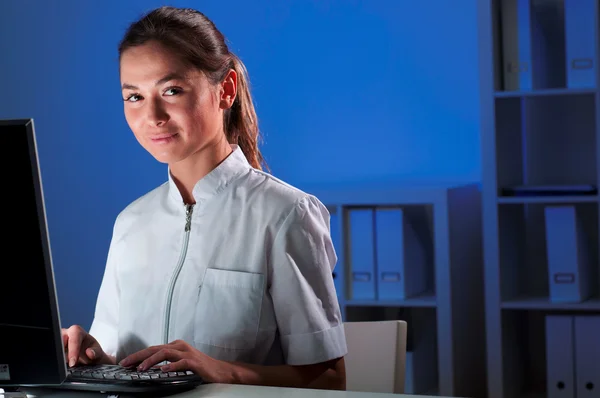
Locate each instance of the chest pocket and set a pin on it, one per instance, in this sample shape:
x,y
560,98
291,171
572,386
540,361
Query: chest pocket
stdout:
x,y
228,309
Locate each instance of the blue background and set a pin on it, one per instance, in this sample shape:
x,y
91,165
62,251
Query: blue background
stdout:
x,y
346,91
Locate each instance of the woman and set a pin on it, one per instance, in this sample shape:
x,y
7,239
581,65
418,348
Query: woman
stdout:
x,y
223,270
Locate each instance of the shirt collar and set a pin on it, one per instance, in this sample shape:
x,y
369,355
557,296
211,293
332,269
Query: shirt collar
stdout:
x,y
215,181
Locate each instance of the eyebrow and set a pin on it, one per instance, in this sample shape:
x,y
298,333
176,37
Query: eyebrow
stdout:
x,y
166,78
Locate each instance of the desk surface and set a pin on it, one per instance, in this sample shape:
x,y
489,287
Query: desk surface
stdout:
x,y
230,391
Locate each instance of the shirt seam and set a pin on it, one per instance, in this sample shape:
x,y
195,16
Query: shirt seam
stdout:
x,y
293,208
312,333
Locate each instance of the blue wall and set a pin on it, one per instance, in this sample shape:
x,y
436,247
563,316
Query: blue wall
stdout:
x,y
346,91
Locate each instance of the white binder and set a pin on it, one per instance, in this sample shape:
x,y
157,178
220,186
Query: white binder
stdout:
x,y
335,227
560,369
516,44
587,355
548,44
581,29
401,258
568,255
362,254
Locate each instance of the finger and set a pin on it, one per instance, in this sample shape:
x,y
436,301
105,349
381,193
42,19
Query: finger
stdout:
x,y
93,351
139,356
75,335
84,357
179,345
65,340
178,366
91,354
166,354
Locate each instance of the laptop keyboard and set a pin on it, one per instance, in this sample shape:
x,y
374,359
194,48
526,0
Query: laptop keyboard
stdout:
x,y
116,372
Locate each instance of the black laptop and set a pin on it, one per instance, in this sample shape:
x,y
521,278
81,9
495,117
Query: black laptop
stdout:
x,y
31,350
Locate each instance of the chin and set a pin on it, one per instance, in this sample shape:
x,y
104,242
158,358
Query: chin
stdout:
x,y
165,158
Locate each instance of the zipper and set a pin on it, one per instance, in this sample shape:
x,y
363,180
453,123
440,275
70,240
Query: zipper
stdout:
x,y
189,208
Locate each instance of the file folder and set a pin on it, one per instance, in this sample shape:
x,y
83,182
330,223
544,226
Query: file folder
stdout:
x,y
548,44
335,227
560,366
581,35
568,255
516,44
587,355
401,258
362,253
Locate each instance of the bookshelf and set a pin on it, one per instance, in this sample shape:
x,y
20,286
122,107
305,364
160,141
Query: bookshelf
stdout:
x,y
446,339
539,128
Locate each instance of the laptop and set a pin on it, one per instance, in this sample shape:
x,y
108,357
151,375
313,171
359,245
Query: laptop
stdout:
x,y
31,348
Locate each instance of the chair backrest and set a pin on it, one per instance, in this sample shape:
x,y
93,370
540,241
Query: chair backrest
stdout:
x,y
376,359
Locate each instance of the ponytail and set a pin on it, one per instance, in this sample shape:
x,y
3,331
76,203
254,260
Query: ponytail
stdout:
x,y
241,124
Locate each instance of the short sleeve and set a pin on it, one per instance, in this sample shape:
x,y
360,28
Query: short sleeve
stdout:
x,y
301,286
105,324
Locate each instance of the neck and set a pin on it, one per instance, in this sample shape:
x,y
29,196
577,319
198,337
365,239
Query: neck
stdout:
x,y
187,172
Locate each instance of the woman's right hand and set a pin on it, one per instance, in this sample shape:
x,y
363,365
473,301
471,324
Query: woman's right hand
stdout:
x,y
81,348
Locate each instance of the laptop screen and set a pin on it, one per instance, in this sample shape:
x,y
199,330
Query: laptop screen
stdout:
x,y
30,342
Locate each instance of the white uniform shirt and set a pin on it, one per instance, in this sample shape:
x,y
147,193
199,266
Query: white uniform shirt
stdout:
x,y
246,275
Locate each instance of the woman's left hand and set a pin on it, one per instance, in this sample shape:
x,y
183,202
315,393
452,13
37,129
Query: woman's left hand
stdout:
x,y
182,357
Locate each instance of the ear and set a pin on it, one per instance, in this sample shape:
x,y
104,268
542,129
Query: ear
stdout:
x,y
228,90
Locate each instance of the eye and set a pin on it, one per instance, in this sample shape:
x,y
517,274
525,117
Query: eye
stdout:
x,y
171,91
133,98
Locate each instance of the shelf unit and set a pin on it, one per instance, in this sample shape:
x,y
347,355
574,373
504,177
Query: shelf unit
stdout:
x,y
539,127
449,309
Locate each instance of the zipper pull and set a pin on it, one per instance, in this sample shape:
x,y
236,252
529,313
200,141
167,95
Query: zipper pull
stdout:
x,y
188,216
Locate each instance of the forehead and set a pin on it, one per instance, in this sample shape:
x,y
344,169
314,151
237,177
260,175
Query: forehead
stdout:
x,y
149,62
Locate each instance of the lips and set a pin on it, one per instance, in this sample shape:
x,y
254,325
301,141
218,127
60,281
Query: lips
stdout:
x,y
159,137
163,139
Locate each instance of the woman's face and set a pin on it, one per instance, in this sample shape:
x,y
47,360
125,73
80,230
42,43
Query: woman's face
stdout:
x,y
171,107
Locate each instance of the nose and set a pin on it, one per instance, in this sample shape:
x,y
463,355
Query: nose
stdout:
x,y
156,115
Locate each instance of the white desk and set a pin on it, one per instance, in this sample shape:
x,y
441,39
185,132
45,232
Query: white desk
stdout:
x,y
231,391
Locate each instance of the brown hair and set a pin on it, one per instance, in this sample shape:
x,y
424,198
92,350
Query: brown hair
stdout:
x,y
195,38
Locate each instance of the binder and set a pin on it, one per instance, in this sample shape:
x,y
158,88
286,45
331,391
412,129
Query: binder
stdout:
x,y
560,366
587,354
580,37
362,252
548,44
568,255
401,258
335,228
516,44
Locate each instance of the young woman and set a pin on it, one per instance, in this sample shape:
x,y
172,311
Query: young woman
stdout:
x,y
223,270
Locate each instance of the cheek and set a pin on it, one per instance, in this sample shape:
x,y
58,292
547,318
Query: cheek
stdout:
x,y
201,125
129,116
132,116
133,121
206,115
